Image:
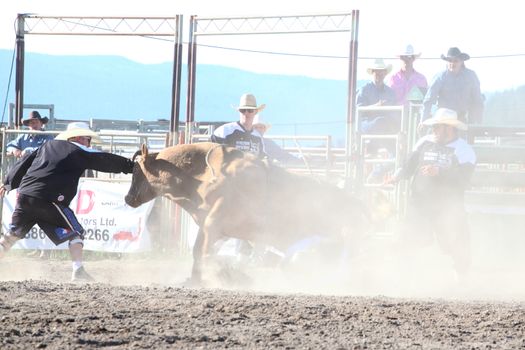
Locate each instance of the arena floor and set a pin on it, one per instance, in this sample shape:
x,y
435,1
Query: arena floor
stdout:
x,y
139,303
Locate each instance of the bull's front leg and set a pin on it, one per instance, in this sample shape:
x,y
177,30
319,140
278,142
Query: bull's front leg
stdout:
x,y
209,233
198,253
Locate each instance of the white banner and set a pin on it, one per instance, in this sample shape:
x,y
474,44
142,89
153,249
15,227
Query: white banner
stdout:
x,y
110,224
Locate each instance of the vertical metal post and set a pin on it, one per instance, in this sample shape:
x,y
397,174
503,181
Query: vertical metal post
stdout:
x,y
52,114
352,82
11,121
19,80
176,82
192,63
3,170
329,155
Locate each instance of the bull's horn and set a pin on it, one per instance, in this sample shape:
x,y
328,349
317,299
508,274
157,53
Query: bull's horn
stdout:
x,y
144,150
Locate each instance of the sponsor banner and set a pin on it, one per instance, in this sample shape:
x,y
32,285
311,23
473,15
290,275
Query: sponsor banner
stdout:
x,y
110,224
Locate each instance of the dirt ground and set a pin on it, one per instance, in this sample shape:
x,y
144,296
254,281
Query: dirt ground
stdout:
x,y
139,303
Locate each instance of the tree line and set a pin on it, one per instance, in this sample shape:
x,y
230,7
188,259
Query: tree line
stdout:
x,y
505,107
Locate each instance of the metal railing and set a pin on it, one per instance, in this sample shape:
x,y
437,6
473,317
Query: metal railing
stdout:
x,y
122,143
501,159
315,154
383,161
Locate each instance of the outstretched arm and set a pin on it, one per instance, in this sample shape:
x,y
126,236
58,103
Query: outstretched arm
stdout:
x,y
108,162
17,172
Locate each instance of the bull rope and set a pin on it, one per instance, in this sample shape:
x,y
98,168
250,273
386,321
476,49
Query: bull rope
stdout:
x,y
213,177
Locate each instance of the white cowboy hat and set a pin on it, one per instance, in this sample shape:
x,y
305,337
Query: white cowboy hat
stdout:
x,y
379,64
258,120
409,51
446,116
78,129
248,101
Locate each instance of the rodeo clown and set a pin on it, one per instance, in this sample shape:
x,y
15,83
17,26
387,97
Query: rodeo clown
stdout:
x,y
440,169
47,181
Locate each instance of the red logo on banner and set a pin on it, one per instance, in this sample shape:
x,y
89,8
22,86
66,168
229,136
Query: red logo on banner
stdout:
x,y
85,201
125,236
128,235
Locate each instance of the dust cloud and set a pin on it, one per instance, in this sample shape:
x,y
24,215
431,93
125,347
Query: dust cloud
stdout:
x,y
376,263
383,269
380,268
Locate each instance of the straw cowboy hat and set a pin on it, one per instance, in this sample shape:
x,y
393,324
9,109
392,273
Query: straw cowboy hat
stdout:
x,y
409,51
78,129
446,116
455,53
379,64
258,120
248,101
34,115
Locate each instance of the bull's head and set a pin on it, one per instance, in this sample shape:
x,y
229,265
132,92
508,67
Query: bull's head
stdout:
x,y
141,189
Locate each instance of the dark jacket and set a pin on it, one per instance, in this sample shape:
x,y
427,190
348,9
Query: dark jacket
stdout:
x,y
53,171
456,162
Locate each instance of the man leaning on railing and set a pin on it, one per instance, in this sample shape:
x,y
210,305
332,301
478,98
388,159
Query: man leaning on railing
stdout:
x,y
28,143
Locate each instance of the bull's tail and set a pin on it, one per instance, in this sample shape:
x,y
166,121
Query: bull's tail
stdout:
x,y
207,159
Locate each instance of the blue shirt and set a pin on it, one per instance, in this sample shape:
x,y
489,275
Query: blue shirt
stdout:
x,y
370,94
375,122
28,142
459,92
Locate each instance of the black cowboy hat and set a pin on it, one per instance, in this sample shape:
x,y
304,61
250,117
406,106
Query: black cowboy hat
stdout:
x,y
453,53
34,115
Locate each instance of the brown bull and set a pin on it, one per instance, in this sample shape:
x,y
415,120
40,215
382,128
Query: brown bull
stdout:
x,y
230,193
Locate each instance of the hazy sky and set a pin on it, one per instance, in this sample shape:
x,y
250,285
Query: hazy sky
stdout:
x,y
477,28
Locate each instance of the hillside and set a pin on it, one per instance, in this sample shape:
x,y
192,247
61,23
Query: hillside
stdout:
x,y
83,87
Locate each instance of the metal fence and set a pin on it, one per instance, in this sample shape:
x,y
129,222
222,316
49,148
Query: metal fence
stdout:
x,y
498,184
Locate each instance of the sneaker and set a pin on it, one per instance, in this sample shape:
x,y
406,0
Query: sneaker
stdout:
x,y
34,253
80,275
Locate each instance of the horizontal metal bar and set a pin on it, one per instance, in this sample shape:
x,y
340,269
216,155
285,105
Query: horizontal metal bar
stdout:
x,y
290,24
103,34
500,154
495,210
14,131
344,14
380,161
495,178
128,134
101,17
380,108
299,138
378,137
100,179
100,26
268,32
493,131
